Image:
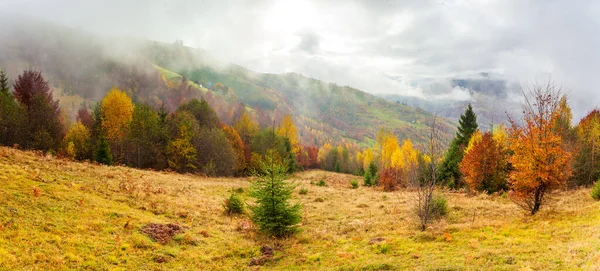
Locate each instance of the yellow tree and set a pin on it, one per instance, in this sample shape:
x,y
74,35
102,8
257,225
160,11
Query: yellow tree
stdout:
x,y
587,163
245,127
78,137
117,112
388,144
475,138
288,129
540,161
367,158
181,152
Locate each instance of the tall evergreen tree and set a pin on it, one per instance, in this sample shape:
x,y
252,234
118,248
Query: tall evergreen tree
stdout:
x,y
11,115
291,157
4,89
449,173
103,155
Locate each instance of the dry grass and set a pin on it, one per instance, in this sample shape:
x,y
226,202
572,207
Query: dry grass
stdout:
x,y
56,214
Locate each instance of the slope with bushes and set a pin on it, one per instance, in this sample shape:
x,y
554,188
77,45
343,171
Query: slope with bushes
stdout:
x,y
56,214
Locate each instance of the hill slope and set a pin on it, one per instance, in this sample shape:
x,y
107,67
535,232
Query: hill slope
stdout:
x,y
58,215
82,67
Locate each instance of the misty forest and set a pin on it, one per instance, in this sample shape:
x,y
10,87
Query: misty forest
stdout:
x,y
299,135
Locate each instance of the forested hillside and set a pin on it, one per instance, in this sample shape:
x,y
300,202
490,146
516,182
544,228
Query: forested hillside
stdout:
x,y
82,67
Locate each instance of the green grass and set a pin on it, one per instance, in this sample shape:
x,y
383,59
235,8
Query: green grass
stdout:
x,y
88,216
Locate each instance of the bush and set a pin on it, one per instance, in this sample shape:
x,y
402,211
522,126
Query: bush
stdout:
x,y
354,184
390,179
596,191
439,206
303,191
321,183
233,205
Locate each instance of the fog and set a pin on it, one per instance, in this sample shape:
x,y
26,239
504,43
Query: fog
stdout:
x,y
429,49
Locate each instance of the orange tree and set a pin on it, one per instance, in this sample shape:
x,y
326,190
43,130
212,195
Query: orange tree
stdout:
x,y
484,164
540,160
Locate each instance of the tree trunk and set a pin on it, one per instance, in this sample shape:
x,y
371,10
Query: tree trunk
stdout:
x,y
537,199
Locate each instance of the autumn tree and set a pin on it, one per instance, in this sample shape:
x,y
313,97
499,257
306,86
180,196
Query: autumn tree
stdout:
x,y
117,112
79,136
388,144
267,139
84,116
181,153
247,129
218,157
238,147
587,160
287,129
541,162
485,164
449,172
44,129
146,139
204,114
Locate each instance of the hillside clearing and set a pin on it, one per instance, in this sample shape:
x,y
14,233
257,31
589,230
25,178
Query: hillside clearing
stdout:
x,y
57,214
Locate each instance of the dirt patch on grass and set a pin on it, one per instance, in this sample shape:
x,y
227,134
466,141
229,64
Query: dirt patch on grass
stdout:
x,y
162,233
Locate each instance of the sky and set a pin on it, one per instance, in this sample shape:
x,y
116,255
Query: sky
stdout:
x,y
407,47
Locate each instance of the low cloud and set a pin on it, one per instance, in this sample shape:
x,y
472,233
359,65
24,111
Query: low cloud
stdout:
x,y
403,47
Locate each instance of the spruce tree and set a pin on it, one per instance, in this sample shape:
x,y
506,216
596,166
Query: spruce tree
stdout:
x,y
103,155
291,157
273,213
4,89
448,170
12,116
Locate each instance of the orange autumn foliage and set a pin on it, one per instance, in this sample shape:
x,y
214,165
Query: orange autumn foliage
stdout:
x,y
540,160
484,164
237,145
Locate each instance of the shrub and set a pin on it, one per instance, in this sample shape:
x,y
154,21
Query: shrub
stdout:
x,y
303,191
596,191
439,206
390,179
321,183
354,184
233,205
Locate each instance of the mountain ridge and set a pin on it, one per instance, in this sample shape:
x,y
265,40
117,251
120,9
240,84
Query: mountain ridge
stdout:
x,y
84,66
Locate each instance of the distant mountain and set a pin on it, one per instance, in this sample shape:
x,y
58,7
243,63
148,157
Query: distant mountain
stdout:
x,y
82,67
489,109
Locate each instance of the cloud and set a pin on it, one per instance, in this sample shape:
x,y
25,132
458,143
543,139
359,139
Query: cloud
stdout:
x,y
406,47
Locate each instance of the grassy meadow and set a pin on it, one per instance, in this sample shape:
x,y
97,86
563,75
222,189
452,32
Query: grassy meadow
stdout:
x,y
61,215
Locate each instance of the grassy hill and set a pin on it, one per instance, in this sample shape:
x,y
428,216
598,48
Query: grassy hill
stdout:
x,y
60,215
83,67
